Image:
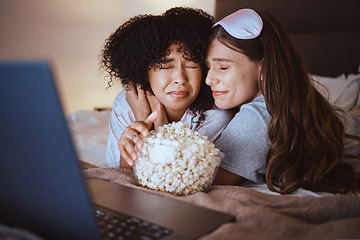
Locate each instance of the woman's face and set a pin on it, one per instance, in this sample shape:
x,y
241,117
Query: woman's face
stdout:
x,y
176,84
233,78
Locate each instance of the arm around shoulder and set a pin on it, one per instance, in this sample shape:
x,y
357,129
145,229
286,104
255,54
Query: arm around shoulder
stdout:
x,y
215,122
121,116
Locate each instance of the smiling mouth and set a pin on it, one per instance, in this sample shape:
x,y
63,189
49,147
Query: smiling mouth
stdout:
x,y
178,94
218,93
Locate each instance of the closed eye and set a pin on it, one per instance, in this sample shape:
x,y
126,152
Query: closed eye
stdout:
x,y
166,66
192,67
166,63
192,64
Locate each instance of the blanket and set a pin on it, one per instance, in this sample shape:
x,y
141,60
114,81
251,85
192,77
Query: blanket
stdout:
x,y
264,216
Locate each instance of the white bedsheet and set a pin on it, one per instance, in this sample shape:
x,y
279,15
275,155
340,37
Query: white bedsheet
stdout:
x,y
90,131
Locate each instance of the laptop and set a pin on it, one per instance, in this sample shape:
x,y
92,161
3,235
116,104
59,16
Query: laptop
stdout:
x,y
41,183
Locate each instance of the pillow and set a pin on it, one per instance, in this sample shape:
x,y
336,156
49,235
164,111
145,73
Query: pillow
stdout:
x,y
342,91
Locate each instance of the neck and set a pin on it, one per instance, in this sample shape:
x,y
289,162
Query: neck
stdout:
x,y
174,116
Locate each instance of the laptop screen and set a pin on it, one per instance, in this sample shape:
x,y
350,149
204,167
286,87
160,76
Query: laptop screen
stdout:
x,y
40,179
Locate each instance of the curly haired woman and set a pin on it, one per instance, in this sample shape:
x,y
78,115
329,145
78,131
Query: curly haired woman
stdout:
x,y
160,61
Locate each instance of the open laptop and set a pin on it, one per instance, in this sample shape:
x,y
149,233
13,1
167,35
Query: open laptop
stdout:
x,y
41,184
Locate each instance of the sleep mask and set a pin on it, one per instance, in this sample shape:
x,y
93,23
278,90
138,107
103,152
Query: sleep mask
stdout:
x,y
242,24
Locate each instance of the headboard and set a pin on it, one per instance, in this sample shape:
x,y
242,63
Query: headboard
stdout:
x,y
325,32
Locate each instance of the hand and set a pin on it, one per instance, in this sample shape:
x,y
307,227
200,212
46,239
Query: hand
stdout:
x,y
156,105
131,138
138,102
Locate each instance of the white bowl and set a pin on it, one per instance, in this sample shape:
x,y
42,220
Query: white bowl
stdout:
x,y
180,166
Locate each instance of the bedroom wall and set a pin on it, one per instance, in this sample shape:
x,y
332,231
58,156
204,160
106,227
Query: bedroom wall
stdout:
x,y
71,34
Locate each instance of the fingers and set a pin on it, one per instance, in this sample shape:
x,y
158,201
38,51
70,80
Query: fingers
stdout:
x,y
141,93
142,128
153,101
136,92
152,117
156,105
131,137
124,156
136,98
127,142
127,151
131,91
149,122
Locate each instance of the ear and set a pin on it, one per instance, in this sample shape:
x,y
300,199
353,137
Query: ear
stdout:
x,y
261,63
260,68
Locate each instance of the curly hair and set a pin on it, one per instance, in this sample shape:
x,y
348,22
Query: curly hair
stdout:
x,y
143,41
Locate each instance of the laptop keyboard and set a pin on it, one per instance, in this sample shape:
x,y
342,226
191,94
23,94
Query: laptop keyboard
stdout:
x,y
114,225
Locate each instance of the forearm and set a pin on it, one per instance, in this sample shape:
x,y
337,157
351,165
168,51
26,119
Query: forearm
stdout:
x,y
224,177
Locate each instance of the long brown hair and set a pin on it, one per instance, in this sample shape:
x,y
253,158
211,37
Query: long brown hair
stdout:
x,y
305,131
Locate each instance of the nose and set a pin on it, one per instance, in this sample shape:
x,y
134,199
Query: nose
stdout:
x,y
211,79
180,76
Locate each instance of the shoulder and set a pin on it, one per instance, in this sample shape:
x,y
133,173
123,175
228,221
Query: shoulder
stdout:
x,y
219,115
120,97
250,123
120,103
213,124
121,113
254,111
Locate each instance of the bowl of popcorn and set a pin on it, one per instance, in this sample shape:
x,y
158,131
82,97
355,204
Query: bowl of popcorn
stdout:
x,y
176,160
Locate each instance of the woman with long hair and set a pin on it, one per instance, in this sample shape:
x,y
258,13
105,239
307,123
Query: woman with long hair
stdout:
x,y
285,132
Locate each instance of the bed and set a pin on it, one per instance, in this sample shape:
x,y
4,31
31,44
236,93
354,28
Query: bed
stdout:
x,y
327,35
